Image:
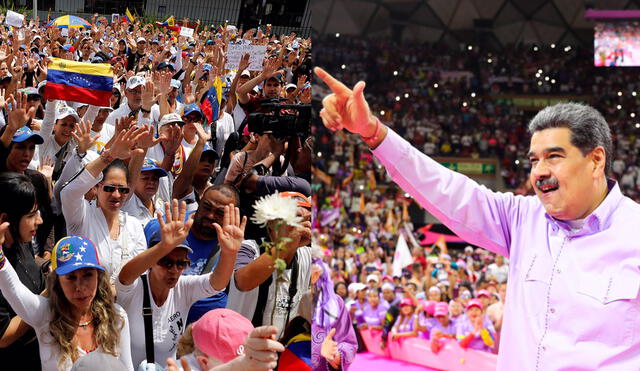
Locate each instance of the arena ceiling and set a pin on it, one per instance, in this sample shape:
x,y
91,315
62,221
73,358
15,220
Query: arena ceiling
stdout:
x,y
494,22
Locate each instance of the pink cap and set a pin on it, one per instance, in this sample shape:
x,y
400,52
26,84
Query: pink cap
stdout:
x,y
406,301
221,333
387,277
442,309
430,307
482,293
474,303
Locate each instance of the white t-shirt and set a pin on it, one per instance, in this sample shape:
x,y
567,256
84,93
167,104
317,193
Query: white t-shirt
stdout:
x,y
224,128
169,320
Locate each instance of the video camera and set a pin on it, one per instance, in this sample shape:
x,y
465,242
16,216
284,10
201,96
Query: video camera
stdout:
x,y
282,120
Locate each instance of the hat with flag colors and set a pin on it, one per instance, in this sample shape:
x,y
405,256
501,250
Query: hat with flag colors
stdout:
x,y
72,253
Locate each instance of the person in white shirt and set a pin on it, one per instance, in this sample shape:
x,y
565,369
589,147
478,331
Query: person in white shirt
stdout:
x,y
171,295
78,316
145,203
224,127
59,122
97,117
498,270
139,94
118,236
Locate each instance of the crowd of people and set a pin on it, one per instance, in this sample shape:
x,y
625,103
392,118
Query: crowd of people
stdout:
x,y
127,229
443,102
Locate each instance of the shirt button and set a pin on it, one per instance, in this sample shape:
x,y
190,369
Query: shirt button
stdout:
x,y
544,348
552,310
558,271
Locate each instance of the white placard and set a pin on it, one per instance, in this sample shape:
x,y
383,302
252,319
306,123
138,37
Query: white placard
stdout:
x,y
115,18
186,31
64,32
14,19
236,52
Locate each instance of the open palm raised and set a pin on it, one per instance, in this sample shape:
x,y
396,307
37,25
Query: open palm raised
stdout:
x,y
175,229
231,234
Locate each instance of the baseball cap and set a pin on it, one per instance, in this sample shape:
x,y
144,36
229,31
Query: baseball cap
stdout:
x,y
245,73
154,41
135,81
442,309
468,249
278,78
72,253
175,83
221,333
141,39
42,84
24,133
430,307
110,109
156,237
434,289
163,65
356,286
387,286
302,199
207,67
289,86
151,165
98,361
483,293
474,303
65,111
406,301
190,108
373,277
29,91
170,118
209,150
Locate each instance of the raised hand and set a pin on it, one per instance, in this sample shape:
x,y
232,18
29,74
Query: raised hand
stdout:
x,y
3,103
346,108
83,136
4,227
244,63
305,97
18,115
202,135
172,140
148,139
231,234
124,145
329,348
124,123
175,229
46,168
270,67
31,64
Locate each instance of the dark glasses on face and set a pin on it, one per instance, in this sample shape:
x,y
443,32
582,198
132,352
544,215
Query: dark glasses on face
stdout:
x,y
168,263
111,189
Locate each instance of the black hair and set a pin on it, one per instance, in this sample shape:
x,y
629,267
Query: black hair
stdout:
x,y
116,164
229,146
227,190
19,199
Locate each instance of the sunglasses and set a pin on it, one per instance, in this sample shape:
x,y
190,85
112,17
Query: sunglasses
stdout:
x,y
111,189
168,263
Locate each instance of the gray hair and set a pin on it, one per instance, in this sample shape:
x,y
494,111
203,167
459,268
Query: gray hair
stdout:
x,y
588,127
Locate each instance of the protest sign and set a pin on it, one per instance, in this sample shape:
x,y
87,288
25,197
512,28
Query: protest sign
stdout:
x,y
236,52
14,19
186,31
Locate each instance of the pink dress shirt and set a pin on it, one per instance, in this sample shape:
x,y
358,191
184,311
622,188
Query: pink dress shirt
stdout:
x,y
573,295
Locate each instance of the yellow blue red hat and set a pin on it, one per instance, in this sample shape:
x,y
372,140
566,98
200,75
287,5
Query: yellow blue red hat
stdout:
x,y
72,253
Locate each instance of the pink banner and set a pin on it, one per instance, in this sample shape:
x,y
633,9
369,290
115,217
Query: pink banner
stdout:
x,y
418,351
431,237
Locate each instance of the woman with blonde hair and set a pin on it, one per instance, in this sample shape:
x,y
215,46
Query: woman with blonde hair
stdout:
x,y
79,315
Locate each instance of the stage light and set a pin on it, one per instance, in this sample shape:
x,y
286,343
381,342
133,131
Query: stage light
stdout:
x,y
546,78
535,48
397,98
469,47
553,46
473,95
464,104
540,70
539,83
395,73
538,75
337,34
319,154
517,162
619,93
567,48
343,66
406,95
435,85
489,60
553,81
632,114
633,93
382,113
637,126
361,187
354,229
619,106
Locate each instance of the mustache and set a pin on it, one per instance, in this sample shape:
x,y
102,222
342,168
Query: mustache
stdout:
x,y
548,181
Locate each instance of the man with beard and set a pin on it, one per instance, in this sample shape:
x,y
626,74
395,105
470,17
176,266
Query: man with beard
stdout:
x,y
572,248
203,241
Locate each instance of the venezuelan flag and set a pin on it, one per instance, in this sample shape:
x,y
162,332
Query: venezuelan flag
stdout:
x,y
171,21
89,83
128,17
297,355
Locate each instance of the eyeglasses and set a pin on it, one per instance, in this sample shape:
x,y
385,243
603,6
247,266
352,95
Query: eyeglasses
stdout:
x,y
168,263
111,189
191,119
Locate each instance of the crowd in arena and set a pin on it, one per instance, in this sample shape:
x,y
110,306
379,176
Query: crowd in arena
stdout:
x,y
127,229
446,103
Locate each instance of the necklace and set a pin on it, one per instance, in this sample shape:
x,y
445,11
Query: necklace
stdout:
x,y
85,324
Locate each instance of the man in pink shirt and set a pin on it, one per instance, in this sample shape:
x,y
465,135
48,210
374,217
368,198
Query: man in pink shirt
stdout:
x,y
573,250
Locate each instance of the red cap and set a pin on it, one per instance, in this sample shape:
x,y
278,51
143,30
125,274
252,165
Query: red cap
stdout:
x,y
482,293
221,333
474,303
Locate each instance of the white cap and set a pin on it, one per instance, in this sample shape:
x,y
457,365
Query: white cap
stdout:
x,y
290,86
141,39
357,286
175,84
135,81
65,111
170,118
373,277
105,107
245,73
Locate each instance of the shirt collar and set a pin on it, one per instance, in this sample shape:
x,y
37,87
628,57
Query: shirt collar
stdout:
x,y
599,219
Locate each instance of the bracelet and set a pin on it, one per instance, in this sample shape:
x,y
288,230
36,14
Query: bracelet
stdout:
x,y
3,259
375,134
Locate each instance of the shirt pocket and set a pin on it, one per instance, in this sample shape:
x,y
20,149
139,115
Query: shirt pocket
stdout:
x,y
537,272
613,295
